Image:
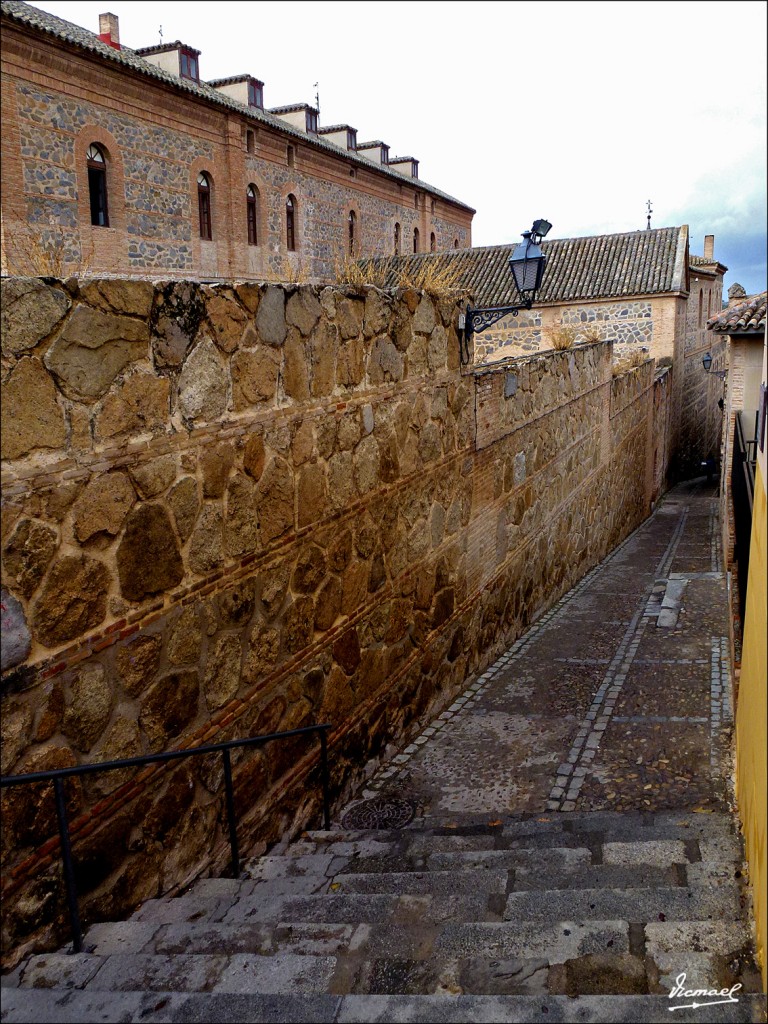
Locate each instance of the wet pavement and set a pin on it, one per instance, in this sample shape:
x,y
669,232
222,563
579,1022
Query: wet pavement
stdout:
x,y
617,699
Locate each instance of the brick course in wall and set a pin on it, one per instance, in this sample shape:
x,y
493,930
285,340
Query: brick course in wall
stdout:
x,y
285,504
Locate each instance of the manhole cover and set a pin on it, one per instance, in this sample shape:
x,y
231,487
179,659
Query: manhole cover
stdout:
x,y
380,812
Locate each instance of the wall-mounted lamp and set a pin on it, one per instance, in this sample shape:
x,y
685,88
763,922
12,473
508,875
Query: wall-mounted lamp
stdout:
x,y
527,264
706,362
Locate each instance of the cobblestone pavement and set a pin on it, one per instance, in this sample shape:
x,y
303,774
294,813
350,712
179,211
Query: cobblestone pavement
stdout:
x,y
616,699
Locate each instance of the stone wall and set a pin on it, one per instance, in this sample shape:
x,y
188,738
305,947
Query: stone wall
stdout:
x,y
628,324
234,509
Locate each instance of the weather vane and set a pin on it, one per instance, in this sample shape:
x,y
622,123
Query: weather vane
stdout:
x,y
650,211
317,97
161,35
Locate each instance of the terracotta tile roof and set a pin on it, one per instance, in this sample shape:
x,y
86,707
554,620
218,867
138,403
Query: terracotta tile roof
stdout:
x,y
233,79
593,267
746,317
66,32
290,107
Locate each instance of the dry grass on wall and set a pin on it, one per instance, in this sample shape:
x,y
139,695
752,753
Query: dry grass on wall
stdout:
x,y
559,336
628,362
436,279
40,252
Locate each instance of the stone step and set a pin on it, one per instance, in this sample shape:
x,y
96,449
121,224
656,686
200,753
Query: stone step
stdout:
x,y
455,904
30,1006
441,884
699,903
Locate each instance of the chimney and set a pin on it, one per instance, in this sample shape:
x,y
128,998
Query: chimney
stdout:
x,y
709,248
109,30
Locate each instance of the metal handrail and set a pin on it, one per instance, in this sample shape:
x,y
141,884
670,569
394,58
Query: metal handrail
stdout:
x,y
57,775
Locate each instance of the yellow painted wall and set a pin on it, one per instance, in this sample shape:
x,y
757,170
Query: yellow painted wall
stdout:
x,y
751,716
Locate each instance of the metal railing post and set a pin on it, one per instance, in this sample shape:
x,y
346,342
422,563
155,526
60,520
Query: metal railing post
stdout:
x,y
231,813
69,870
324,774
57,776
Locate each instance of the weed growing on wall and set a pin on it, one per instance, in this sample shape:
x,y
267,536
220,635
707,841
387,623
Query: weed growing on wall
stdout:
x,y
559,336
31,251
438,281
628,362
350,271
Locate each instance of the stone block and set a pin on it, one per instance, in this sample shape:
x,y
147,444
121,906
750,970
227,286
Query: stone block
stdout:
x,y
28,553
270,318
255,375
153,477
29,312
203,384
137,662
168,707
32,417
138,402
148,559
72,601
93,348
88,710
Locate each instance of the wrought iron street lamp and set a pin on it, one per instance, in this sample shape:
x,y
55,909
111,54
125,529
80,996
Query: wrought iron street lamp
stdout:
x,y
706,362
527,264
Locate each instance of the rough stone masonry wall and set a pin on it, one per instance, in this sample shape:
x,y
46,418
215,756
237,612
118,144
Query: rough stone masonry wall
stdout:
x,y
235,509
628,324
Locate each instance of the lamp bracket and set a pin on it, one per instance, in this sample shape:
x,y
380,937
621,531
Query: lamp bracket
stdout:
x,y
475,321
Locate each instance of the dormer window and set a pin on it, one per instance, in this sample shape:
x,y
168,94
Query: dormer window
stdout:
x,y
311,120
188,66
351,138
255,94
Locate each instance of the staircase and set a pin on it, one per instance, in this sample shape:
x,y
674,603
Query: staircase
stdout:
x,y
580,916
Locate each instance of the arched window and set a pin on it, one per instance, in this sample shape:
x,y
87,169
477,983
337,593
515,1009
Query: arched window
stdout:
x,y
352,224
416,201
432,242
204,205
250,141
397,239
415,239
290,155
290,223
455,243
252,213
97,185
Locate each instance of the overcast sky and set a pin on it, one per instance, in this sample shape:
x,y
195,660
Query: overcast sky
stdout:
x,y
577,112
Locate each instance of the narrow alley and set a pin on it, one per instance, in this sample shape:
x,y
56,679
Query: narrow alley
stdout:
x,y
559,845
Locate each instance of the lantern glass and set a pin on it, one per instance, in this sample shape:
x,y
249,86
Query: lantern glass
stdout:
x,y
527,265
707,361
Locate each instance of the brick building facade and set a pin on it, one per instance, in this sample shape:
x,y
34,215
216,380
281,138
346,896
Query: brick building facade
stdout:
x,y
118,161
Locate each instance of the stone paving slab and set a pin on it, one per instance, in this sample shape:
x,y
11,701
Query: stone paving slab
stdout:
x,y
611,876
657,904
723,937
553,862
32,1007
208,938
284,972
530,1010
435,883
557,941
